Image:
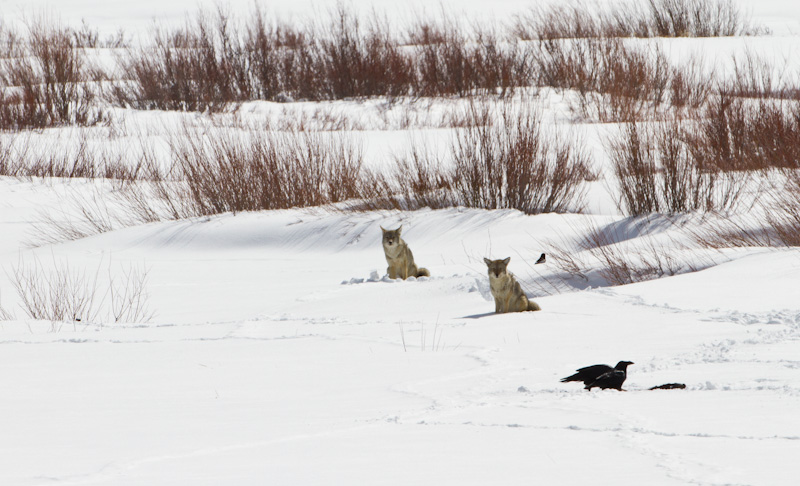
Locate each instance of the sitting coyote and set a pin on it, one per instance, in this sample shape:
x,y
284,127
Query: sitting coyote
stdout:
x,y
508,295
399,256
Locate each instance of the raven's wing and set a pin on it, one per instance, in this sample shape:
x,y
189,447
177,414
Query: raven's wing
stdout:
x,y
612,379
588,374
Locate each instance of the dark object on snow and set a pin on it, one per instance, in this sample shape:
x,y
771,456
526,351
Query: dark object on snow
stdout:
x,y
601,376
540,260
669,386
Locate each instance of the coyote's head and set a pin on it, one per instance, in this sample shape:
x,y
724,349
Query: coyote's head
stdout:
x,y
497,267
391,237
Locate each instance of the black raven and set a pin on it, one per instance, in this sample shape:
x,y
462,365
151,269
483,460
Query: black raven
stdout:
x,y
601,376
541,259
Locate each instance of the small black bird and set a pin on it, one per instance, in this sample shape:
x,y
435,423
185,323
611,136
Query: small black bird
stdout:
x,y
540,260
601,376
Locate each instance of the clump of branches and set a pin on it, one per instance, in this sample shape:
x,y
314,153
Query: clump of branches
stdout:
x,y
221,170
654,18
739,134
657,169
699,18
568,20
45,83
361,61
512,162
690,86
73,154
215,61
503,159
448,61
613,81
197,68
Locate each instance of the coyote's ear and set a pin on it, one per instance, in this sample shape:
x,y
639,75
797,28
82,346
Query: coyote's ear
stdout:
x,y
383,229
487,261
507,260
399,230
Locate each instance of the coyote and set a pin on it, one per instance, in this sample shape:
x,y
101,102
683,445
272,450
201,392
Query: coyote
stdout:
x,y
399,256
508,295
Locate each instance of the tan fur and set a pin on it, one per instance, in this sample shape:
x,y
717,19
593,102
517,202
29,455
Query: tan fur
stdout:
x,y
507,293
399,256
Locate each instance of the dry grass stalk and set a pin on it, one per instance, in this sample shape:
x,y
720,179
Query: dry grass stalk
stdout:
x,y
605,255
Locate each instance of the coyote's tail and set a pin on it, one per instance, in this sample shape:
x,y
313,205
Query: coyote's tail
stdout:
x,y
533,306
423,272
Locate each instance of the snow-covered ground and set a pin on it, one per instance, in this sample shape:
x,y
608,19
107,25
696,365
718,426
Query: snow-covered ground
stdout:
x,y
279,355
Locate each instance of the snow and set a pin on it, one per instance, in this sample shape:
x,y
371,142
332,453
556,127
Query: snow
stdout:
x,y
262,366
278,354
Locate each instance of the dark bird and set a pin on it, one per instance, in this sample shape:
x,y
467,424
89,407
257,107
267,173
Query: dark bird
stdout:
x,y
540,260
601,376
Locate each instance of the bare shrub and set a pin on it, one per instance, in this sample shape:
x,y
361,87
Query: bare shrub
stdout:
x,y
501,159
420,180
450,61
569,20
74,154
632,81
442,60
635,171
215,61
736,134
569,65
217,171
270,46
363,63
499,67
690,86
698,18
513,163
656,18
11,42
614,82
225,171
45,84
753,77
197,68
583,20
657,169
63,293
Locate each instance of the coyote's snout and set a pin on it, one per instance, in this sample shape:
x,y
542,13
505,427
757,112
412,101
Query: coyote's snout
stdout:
x,y
399,256
507,293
